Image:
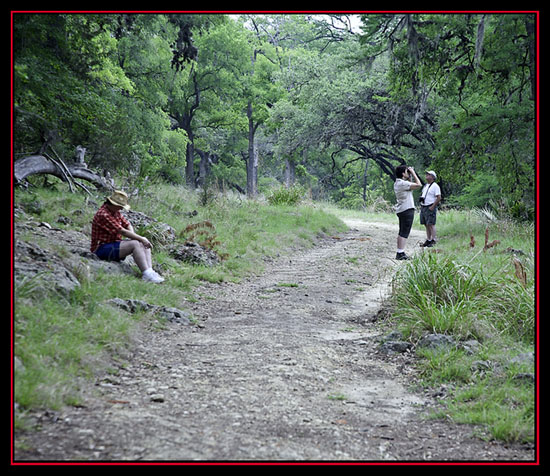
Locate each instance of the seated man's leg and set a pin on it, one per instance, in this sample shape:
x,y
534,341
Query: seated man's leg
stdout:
x,y
141,255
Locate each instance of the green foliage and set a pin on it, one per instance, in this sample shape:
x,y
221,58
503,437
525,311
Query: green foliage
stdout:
x,y
191,97
478,72
479,191
286,195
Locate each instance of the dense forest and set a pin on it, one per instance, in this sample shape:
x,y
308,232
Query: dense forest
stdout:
x,y
330,103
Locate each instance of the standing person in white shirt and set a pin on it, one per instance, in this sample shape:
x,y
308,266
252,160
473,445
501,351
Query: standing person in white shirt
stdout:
x,y
405,205
429,200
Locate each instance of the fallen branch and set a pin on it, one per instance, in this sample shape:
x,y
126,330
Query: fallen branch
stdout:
x,y
40,165
67,176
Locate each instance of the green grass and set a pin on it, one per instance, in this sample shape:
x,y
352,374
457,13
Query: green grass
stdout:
x,y
248,230
467,293
472,293
61,341
437,293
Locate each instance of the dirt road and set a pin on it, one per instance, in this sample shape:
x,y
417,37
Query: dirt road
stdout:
x,y
285,367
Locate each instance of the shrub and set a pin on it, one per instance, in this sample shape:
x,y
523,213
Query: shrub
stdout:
x,y
438,294
286,196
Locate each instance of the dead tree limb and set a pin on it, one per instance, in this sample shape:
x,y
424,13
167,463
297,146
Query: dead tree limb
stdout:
x,y
40,165
67,176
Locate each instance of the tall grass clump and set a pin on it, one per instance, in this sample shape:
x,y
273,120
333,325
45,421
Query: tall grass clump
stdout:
x,y
286,195
438,294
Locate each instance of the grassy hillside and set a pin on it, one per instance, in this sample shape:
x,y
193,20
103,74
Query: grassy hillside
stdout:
x,y
61,338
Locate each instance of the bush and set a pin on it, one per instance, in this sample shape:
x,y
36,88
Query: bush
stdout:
x,y
286,196
439,294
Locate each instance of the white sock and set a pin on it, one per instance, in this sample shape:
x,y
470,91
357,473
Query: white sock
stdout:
x,y
400,251
147,271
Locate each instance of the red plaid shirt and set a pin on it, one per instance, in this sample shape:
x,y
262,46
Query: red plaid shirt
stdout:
x,y
106,227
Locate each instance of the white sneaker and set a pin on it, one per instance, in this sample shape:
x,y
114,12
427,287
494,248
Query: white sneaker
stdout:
x,y
152,276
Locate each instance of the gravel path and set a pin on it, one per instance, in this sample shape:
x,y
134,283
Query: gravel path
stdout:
x,y
285,366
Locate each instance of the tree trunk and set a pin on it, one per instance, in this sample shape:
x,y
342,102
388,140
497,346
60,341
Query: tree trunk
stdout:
x,y
184,122
479,41
255,170
189,164
188,118
365,183
203,166
252,161
531,35
290,173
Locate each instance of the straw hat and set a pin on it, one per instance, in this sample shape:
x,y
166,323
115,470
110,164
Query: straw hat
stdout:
x,y
119,199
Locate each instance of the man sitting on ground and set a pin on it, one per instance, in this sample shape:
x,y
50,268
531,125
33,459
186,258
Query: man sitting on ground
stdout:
x,y
108,228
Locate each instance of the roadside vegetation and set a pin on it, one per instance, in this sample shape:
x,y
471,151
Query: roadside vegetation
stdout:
x,y
326,104
482,296
476,286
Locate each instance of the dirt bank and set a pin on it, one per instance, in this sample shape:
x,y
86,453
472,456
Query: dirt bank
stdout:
x,y
285,366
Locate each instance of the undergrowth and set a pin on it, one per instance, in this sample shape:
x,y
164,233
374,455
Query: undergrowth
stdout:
x,y
477,284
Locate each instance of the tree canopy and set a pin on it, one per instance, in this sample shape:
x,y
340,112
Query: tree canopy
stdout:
x,y
333,102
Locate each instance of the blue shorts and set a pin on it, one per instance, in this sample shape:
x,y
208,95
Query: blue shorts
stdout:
x,y
109,251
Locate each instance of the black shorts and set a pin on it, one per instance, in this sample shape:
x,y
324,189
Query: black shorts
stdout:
x,y
406,219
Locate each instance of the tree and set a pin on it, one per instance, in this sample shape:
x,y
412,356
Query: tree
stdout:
x,y
478,70
83,79
346,106
291,97
63,77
